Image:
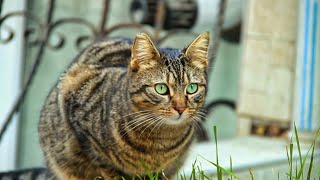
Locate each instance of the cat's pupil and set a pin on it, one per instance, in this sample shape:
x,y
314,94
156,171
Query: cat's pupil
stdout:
x,y
192,88
161,88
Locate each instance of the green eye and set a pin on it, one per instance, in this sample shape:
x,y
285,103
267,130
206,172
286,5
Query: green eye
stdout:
x,y
192,88
162,88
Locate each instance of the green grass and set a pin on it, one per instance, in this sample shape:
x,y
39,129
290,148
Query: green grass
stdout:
x,y
295,171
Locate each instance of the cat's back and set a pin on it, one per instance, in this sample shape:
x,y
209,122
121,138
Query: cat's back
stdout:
x,y
99,65
107,52
100,69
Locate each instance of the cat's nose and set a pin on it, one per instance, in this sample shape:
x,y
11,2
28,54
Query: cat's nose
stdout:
x,y
180,109
179,104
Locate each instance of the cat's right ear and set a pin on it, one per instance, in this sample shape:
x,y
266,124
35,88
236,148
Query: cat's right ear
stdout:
x,y
143,52
197,51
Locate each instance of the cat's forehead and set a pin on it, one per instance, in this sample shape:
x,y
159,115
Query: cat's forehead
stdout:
x,y
173,59
173,64
173,68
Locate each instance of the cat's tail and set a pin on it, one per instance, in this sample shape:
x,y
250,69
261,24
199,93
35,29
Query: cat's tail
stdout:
x,y
27,174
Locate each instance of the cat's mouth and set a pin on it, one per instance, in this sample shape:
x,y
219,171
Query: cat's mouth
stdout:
x,y
175,118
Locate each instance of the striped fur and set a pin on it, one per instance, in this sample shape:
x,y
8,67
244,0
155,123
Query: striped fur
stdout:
x,y
104,118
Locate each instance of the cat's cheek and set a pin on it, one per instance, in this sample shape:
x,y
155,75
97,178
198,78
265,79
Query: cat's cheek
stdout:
x,y
197,99
166,101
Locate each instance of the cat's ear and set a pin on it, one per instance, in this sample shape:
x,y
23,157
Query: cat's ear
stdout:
x,y
197,51
144,53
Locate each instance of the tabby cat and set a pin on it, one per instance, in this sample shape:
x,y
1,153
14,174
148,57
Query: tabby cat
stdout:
x,y
125,108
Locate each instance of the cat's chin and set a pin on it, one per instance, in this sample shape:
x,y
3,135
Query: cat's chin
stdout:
x,y
177,119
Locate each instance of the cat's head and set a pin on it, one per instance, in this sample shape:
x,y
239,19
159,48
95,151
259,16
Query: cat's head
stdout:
x,y
168,85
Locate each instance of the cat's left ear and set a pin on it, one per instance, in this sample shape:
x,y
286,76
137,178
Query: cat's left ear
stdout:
x,y
197,51
143,54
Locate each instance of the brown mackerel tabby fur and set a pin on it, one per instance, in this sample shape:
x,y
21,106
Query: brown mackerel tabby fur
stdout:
x,y
105,119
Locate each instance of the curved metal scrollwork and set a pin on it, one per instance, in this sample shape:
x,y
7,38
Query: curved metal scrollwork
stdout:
x,y
10,31
45,29
41,27
71,21
61,38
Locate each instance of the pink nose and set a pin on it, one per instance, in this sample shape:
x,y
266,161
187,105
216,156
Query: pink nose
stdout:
x,y
179,104
179,109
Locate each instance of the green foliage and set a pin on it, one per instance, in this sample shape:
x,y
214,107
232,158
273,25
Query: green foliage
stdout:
x,y
299,170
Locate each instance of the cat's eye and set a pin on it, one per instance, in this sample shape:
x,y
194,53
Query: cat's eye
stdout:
x,y
161,88
192,88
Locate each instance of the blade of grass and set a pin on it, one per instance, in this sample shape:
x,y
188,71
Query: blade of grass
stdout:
x,y
207,177
296,169
251,174
219,171
306,156
182,176
200,173
140,178
311,163
312,155
221,168
290,155
216,143
193,173
289,159
220,174
299,148
231,167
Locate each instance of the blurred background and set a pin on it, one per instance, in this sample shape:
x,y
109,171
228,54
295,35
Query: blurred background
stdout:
x,y
264,65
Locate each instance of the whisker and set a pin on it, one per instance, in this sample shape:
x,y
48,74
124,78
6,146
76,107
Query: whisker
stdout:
x,y
122,132
196,123
145,121
131,114
212,57
155,120
202,116
139,120
161,119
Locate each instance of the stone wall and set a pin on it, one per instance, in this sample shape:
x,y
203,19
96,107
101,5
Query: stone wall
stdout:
x,y
268,63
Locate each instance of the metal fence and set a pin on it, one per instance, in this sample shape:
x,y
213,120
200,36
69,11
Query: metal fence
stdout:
x,y
46,26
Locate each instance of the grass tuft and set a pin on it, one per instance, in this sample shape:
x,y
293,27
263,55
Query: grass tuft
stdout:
x,y
295,169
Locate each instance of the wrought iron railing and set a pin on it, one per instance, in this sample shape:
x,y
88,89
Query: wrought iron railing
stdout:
x,y
46,27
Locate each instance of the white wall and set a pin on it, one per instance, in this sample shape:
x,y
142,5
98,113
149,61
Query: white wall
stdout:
x,y
10,75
